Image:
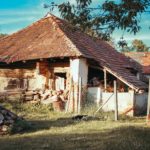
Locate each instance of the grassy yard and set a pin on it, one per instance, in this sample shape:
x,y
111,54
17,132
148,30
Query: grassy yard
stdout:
x,y
57,131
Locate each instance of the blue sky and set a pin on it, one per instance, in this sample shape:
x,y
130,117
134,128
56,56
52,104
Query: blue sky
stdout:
x,y
17,14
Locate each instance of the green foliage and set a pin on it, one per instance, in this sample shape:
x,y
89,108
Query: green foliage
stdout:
x,y
57,131
139,46
101,20
2,35
122,44
28,109
46,129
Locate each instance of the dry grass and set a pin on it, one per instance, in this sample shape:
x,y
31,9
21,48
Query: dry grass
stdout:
x,y
57,131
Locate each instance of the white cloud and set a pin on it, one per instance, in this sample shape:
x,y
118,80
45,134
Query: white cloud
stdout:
x,y
16,20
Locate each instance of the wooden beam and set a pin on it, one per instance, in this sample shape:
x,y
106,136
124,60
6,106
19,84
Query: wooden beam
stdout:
x,y
37,67
61,69
80,95
105,80
121,79
95,67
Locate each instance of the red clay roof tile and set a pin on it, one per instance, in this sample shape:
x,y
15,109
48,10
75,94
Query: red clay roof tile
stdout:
x,y
53,37
142,58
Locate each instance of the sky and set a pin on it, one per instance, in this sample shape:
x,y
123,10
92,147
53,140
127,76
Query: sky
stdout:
x,y
18,14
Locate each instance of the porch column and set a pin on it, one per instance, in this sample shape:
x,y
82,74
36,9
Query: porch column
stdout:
x,y
105,80
78,69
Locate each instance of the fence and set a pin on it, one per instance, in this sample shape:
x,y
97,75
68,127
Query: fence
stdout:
x,y
128,102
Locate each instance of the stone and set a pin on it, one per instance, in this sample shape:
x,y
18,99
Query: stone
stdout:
x,y
1,118
4,112
7,119
4,128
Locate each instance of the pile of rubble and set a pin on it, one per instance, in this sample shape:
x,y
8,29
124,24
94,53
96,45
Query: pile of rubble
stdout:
x,y
7,119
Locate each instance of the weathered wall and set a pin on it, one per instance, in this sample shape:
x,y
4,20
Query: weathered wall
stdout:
x,y
15,78
94,95
141,103
128,103
125,102
15,75
30,75
78,70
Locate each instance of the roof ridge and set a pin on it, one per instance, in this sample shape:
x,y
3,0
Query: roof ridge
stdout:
x,y
68,40
32,24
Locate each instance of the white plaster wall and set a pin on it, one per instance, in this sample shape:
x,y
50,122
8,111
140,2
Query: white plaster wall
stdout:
x,y
79,68
34,83
74,69
39,82
3,83
83,71
94,95
125,100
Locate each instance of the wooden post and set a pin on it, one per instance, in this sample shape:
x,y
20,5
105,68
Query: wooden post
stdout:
x,y
69,105
37,67
116,100
148,105
80,95
105,80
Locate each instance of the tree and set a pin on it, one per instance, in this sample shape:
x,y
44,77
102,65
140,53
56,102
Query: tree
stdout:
x,y
139,46
102,20
123,45
2,35
136,46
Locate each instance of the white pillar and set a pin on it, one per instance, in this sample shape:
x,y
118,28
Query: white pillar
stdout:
x,y
78,69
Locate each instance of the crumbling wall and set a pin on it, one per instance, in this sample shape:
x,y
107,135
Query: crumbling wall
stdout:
x,y
31,75
11,79
141,103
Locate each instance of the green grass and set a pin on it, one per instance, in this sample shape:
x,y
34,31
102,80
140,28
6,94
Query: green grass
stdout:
x,y
57,131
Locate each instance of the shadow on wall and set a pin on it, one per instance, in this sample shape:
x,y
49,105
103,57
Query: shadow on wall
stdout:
x,y
141,104
129,138
14,84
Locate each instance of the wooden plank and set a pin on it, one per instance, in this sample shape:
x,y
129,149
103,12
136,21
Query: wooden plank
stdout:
x,y
116,100
59,64
148,106
61,69
80,94
121,79
105,80
17,73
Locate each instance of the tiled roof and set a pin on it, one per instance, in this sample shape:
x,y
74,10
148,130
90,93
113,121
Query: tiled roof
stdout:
x,y
43,39
53,37
142,58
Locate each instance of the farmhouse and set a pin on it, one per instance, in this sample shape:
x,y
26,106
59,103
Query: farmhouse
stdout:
x,y
143,58
52,54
